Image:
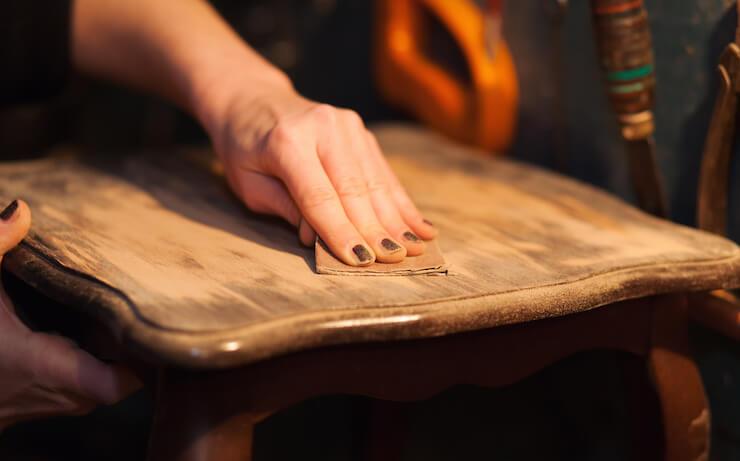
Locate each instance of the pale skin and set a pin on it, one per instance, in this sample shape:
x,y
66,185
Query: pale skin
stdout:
x,y
45,375
314,165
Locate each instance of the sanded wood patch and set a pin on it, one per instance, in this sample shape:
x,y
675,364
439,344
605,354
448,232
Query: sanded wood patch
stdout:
x,y
431,262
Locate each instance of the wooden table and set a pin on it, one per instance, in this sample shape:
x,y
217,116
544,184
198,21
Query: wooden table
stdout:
x,y
162,268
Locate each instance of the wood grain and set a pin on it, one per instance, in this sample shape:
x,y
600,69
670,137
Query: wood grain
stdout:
x,y
157,247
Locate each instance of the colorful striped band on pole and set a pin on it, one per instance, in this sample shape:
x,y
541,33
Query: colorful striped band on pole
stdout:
x,y
627,89
630,74
623,39
618,8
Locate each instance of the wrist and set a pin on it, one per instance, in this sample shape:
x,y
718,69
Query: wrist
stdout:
x,y
215,91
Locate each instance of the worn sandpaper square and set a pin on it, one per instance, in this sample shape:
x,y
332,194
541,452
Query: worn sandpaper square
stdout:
x,y
431,262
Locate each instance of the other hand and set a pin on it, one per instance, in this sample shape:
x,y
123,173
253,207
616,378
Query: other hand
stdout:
x,y
43,375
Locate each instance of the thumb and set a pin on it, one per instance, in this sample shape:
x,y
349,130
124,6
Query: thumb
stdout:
x,y
59,364
15,220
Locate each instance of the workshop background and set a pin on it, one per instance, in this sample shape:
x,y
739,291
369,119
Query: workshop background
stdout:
x,y
574,410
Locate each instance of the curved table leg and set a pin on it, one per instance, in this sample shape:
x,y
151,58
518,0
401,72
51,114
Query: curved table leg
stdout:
x,y
684,406
643,411
387,431
191,423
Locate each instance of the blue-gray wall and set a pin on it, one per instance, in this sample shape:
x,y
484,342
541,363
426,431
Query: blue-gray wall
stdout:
x,y
688,38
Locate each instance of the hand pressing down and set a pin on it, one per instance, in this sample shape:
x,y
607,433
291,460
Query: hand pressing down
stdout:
x,y
321,170
43,375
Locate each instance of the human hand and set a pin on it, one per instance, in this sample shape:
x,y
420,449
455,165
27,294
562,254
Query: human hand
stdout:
x,y
312,164
43,375
321,170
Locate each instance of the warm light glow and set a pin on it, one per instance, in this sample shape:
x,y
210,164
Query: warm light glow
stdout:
x,y
370,322
231,346
400,40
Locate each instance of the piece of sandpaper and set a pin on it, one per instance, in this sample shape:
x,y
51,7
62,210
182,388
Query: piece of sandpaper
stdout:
x,y
430,262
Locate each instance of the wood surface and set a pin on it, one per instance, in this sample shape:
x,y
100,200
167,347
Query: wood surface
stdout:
x,y
157,248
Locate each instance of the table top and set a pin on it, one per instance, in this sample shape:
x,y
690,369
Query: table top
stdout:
x,y
157,248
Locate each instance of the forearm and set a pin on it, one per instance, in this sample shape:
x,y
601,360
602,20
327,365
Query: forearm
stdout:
x,y
181,50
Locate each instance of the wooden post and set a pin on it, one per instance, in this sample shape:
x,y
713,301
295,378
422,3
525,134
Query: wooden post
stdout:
x,y
192,423
684,406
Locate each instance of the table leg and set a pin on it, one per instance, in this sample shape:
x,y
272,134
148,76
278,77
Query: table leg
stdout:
x,y
684,406
193,424
387,430
643,411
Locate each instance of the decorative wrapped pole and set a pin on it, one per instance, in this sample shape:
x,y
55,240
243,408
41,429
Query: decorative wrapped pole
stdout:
x,y
625,49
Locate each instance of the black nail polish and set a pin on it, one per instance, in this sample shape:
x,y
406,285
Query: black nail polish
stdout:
x,y
9,211
362,253
390,245
410,236
428,222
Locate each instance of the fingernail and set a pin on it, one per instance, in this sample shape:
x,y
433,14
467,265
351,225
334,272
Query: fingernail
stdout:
x,y
410,236
428,222
390,245
9,211
363,254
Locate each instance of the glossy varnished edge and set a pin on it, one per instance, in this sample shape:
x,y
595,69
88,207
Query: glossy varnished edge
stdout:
x,y
241,346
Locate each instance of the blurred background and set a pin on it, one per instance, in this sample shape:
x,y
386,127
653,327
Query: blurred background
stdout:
x,y
574,410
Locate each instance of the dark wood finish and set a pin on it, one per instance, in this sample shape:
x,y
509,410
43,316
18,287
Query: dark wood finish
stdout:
x,y
157,248
718,310
413,370
192,425
715,168
721,310
643,410
387,432
684,405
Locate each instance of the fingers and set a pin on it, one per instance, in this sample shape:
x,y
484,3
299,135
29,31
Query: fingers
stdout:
x,y
405,206
15,220
306,233
58,364
298,165
50,376
339,155
39,402
385,204
263,194
323,172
